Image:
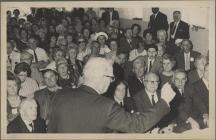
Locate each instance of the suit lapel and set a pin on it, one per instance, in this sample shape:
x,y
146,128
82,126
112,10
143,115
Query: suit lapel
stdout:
x,y
23,127
146,100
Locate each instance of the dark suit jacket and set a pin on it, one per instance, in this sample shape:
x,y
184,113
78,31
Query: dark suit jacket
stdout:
x,y
193,76
182,31
141,99
84,110
106,16
156,66
134,85
125,46
180,60
18,126
159,23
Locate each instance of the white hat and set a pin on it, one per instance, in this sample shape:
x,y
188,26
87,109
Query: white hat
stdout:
x,y
101,33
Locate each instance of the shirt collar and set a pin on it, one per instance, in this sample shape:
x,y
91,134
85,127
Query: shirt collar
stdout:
x,y
118,101
205,82
150,94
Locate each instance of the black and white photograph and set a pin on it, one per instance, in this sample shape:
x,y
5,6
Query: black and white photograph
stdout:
x,y
129,69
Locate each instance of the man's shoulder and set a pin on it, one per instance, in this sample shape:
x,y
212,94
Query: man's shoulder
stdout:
x,y
162,14
184,23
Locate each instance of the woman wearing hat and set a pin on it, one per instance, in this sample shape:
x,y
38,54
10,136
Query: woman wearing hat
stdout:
x,y
102,37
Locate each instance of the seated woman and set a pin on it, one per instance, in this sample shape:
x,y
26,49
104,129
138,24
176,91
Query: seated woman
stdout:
x,y
28,85
75,66
118,91
167,73
13,99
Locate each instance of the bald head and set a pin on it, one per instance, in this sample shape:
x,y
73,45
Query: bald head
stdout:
x,y
151,82
98,73
28,109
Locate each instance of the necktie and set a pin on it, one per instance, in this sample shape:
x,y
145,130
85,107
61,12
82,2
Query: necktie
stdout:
x,y
155,16
35,55
32,127
150,65
141,80
121,104
174,28
153,101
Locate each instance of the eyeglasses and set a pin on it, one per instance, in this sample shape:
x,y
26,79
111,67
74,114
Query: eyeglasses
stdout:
x,y
180,80
152,82
111,77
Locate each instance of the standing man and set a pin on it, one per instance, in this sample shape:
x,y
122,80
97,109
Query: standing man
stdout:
x,y
157,21
84,110
178,28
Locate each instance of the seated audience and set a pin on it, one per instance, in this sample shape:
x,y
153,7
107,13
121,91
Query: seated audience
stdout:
x,y
148,37
136,29
83,49
27,121
28,85
102,37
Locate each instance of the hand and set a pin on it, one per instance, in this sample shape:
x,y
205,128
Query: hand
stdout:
x,y
167,93
206,119
193,123
168,129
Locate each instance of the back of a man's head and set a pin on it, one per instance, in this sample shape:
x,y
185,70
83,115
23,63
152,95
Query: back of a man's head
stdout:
x,y
96,68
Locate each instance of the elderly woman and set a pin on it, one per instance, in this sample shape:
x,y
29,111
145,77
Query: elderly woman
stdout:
x,y
13,99
28,85
102,37
168,65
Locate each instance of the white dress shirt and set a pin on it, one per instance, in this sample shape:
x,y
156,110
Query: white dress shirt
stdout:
x,y
134,54
187,60
175,24
150,96
27,123
206,83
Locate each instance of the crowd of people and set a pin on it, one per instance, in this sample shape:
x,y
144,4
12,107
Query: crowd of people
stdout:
x,y
76,71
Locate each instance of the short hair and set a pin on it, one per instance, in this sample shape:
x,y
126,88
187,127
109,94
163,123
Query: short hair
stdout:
x,y
150,73
176,12
25,100
147,31
189,41
179,71
200,57
95,68
22,67
12,77
126,29
171,58
163,31
139,27
139,60
152,46
16,10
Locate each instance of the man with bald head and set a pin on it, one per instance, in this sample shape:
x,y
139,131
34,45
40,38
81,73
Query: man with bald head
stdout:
x,y
27,121
84,110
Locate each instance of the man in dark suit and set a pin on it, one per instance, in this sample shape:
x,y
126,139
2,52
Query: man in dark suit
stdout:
x,y
136,81
177,118
128,43
27,122
149,96
157,21
153,63
185,59
109,15
84,110
178,28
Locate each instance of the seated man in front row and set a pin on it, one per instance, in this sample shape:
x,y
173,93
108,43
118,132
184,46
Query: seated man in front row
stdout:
x,y
27,122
